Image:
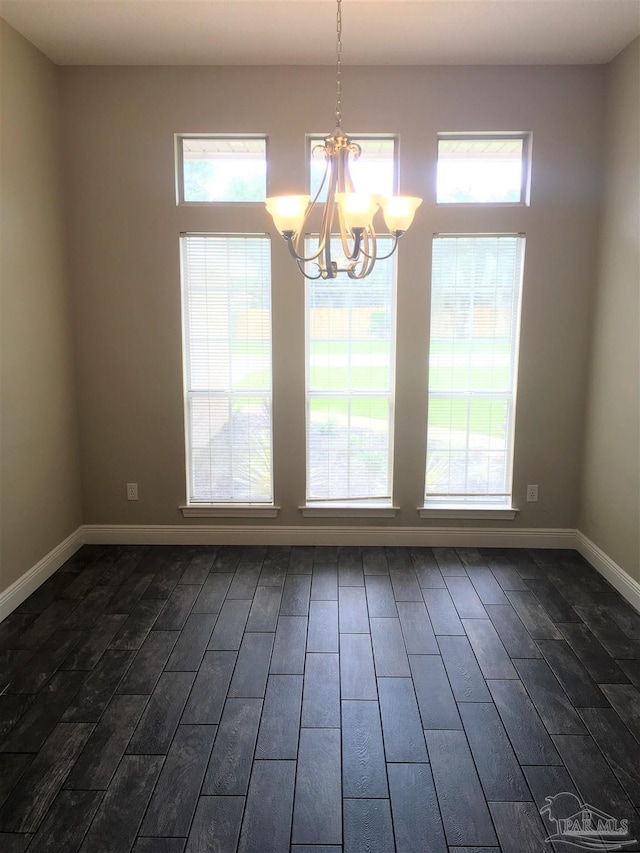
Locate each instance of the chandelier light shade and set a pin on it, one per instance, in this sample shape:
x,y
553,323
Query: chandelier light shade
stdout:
x,y
346,214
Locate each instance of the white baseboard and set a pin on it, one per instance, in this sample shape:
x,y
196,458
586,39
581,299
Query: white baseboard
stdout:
x,y
429,537
21,589
617,577
445,537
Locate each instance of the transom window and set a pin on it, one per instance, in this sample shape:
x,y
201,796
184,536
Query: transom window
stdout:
x,y
482,169
222,169
373,172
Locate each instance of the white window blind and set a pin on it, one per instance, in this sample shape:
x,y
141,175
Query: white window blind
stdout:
x,y
227,367
473,354
350,356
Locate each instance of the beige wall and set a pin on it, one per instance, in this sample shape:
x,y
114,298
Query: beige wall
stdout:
x,y
610,514
39,462
124,225
115,128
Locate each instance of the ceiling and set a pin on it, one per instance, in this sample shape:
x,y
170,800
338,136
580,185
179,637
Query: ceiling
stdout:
x,y
302,32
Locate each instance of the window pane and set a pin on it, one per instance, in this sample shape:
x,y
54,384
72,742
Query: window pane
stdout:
x,y
230,454
223,169
372,172
348,448
350,369
475,309
480,170
468,447
227,350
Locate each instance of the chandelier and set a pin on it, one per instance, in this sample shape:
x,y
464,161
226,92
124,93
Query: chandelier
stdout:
x,y
347,214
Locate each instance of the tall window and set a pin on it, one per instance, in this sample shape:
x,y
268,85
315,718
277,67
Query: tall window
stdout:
x,y
475,318
350,355
227,367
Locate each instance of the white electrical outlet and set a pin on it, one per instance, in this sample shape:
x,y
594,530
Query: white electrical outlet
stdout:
x,y
132,491
532,493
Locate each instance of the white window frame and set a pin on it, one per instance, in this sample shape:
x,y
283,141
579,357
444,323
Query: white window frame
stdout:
x,y
474,505
179,159
525,174
356,506
313,139
262,507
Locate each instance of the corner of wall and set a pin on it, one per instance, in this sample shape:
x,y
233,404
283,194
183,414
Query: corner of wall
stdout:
x,y
39,463
610,493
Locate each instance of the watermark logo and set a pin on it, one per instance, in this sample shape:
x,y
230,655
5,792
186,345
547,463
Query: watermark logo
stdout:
x,y
585,826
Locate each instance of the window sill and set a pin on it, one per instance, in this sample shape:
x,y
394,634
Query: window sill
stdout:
x,y
468,512
230,511
342,510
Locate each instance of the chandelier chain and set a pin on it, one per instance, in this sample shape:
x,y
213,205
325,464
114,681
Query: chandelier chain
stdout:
x,y
338,65
347,216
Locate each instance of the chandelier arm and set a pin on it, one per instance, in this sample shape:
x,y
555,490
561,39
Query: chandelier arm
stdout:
x,y
327,267
325,237
395,236
360,268
365,262
296,244
356,150
295,247
295,241
351,254
357,274
301,267
324,176
345,181
369,236
326,226
373,256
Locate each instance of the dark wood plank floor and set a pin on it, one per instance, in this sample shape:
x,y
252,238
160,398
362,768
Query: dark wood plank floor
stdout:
x,y
317,700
